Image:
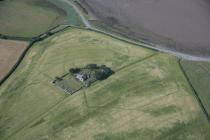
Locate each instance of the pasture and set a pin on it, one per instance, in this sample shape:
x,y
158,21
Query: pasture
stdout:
x,y
147,98
29,18
10,51
199,75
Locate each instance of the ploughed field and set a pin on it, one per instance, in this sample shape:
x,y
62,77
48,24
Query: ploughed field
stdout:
x,y
147,98
180,25
10,51
30,18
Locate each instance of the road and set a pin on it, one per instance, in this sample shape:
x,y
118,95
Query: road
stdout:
x,y
145,44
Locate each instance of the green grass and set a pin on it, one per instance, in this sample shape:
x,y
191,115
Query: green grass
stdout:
x,y
199,75
163,111
31,107
29,18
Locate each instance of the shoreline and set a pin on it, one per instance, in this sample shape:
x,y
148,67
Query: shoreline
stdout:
x,y
203,51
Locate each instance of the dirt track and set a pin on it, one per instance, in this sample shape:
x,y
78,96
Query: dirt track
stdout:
x,y
181,25
9,53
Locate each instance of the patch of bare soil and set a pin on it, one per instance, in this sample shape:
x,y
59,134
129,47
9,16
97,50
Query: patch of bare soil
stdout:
x,y
10,51
180,25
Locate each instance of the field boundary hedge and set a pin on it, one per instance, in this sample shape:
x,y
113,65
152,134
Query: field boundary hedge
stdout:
x,y
31,41
6,37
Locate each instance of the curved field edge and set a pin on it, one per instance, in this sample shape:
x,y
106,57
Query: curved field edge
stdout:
x,y
148,96
41,15
142,21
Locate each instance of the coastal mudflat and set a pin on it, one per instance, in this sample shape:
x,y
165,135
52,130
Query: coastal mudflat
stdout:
x,y
179,25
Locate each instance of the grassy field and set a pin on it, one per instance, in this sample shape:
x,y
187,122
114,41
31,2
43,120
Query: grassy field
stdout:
x,y
29,18
148,98
10,51
199,75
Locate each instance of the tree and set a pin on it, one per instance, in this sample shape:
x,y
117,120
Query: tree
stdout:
x,y
99,75
91,66
74,70
107,71
58,78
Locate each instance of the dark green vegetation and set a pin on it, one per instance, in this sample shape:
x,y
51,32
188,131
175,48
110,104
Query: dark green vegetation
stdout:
x,y
92,72
199,76
77,78
29,18
147,98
